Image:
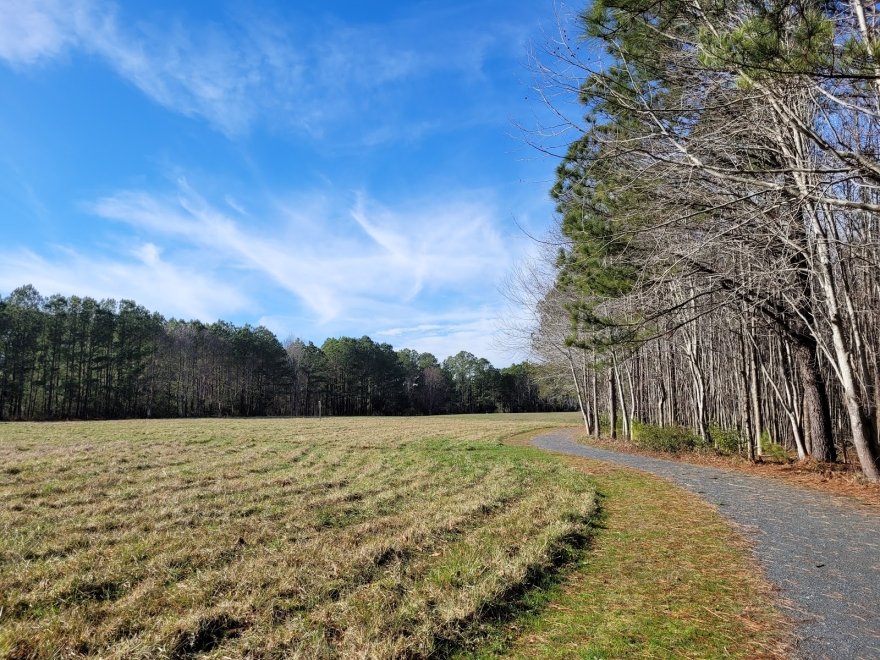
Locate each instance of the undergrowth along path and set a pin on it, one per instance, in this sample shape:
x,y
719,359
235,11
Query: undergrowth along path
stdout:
x,y
820,550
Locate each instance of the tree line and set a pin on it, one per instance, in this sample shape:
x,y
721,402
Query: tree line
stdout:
x,y
79,358
718,247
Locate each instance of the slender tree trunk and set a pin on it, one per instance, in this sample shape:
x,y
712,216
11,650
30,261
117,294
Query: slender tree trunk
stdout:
x,y
745,414
755,400
618,385
612,404
587,417
580,395
661,384
596,430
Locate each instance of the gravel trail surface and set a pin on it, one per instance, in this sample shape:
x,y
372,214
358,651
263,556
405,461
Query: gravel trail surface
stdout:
x,y
822,551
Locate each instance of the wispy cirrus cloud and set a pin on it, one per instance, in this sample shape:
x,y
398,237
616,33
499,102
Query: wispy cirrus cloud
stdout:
x,y
280,239
419,273
205,70
353,259
36,31
283,72
445,333
441,332
141,274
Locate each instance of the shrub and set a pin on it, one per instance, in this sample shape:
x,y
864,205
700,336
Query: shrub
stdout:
x,y
774,451
671,439
726,441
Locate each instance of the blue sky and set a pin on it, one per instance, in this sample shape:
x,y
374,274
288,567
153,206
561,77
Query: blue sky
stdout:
x,y
321,168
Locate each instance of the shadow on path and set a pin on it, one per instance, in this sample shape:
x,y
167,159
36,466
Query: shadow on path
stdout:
x,y
822,551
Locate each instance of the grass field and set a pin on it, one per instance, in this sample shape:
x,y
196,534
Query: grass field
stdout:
x,y
372,537
665,577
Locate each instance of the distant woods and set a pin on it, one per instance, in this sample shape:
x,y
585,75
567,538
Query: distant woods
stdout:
x,y
78,358
718,264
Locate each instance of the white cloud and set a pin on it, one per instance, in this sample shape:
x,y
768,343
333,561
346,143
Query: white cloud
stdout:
x,y
396,332
232,203
450,331
36,31
418,274
201,71
362,264
303,75
143,276
442,333
476,337
333,270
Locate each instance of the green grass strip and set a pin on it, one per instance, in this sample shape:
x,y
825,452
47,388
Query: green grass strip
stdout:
x,y
664,577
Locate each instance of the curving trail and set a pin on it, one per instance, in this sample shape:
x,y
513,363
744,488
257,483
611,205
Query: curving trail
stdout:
x,y
822,551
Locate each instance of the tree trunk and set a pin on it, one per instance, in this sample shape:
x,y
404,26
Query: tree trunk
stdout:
x,y
755,396
612,405
618,384
580,395
817,414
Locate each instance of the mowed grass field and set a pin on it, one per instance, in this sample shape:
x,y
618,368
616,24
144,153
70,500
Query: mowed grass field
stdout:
x,y
369,537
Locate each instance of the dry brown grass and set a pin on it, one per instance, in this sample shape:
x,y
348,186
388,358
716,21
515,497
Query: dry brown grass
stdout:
x,y
270,538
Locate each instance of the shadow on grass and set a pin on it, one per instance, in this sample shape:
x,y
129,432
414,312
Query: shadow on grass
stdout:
x,y
491,631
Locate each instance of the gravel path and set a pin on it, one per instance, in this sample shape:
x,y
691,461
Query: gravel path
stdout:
x,y
822,551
